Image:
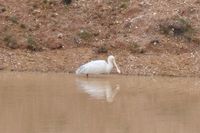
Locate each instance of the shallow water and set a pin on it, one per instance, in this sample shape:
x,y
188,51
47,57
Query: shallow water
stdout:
x,y
61,103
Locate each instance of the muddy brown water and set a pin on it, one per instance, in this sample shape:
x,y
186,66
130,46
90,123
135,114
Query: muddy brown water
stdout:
x,y
62,103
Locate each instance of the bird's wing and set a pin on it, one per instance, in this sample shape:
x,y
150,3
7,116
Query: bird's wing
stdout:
x,y
93,67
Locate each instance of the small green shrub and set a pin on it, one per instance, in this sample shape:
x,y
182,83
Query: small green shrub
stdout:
x,y
123,5
10,41
13,19
135,48
32,45
85,35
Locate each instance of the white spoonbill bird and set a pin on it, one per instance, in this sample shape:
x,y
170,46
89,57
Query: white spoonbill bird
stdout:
x,y
98,66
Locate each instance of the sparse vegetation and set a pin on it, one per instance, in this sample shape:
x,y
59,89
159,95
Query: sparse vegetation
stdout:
x,y
85,35
49,2
32,44
102,49
135,48
123,5
13,19
11,42
177,27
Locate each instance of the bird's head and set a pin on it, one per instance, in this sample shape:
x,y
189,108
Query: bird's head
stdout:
x,y
111,58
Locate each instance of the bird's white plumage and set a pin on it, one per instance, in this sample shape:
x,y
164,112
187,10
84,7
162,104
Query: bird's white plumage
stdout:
x,y
98,66
93,67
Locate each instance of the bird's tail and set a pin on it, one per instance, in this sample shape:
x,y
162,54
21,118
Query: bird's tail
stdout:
x,y
80,70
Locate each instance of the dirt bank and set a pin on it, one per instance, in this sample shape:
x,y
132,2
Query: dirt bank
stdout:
x,y
146,37
68,60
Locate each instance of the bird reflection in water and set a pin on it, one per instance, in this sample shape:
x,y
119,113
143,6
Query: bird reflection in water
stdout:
x,y
98,88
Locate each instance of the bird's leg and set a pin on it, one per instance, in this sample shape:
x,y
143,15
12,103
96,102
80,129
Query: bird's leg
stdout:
x,y
87,75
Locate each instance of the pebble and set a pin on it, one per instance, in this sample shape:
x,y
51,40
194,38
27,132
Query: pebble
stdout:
x,y
60,35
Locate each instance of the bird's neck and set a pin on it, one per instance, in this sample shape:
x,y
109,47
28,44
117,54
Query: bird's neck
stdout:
x,y
110,63
109,66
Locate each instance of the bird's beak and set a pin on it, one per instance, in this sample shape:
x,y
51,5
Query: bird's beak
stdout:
x,y
116,67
